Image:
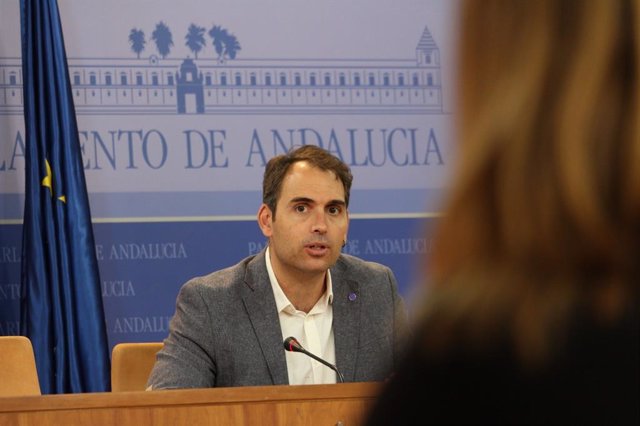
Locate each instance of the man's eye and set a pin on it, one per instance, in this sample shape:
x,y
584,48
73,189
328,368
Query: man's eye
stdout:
x,y
301,208
334,210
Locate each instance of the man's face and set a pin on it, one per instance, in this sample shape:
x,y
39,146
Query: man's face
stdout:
x,y
311,223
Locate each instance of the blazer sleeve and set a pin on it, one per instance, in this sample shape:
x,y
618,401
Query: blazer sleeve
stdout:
x,y
186,360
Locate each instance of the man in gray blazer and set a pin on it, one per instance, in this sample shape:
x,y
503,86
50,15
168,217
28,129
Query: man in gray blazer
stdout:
x,y
229,326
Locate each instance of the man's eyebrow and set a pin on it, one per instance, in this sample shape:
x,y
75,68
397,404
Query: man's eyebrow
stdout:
x,y
301,200
336,202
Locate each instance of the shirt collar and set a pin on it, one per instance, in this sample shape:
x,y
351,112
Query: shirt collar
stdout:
x,y
282,302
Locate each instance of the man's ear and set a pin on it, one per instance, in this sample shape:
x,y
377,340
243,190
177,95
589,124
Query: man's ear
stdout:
x,y
265,220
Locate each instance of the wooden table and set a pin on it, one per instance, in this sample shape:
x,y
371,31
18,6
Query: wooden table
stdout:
x,y
340,404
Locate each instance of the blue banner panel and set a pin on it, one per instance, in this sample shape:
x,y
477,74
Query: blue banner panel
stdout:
x,y
143,265
10,254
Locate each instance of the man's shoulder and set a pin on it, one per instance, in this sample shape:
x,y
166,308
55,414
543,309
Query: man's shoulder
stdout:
x,y
229,276
355,265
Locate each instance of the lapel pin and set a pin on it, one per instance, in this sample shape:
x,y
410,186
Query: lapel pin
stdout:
x,y
352,296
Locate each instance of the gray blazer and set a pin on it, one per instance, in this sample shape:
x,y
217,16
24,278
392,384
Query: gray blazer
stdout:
x,y
226,331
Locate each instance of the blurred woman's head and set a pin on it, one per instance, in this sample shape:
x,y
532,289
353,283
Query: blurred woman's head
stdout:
x,y
544,212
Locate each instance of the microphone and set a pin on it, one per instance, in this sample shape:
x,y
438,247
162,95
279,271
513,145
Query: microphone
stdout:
x,y
292,345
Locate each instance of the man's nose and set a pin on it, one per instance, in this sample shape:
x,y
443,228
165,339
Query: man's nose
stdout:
x,y
319,223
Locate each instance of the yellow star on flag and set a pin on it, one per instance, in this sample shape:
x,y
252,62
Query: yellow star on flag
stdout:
x,y
47,181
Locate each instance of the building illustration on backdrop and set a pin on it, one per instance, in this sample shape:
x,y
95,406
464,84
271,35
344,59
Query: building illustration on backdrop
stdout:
x,y
232,85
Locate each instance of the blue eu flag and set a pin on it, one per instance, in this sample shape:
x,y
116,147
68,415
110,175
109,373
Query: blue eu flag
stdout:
x,y
61,303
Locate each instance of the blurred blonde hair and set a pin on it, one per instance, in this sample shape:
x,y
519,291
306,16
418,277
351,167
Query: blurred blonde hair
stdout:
x,y
544,212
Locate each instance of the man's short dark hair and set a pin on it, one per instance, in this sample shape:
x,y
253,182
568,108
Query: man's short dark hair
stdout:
x,y
278,166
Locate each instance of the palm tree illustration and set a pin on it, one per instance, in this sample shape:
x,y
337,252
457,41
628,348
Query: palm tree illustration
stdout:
x,y
225,44
137,41
195,39
163,38
217,34
231,46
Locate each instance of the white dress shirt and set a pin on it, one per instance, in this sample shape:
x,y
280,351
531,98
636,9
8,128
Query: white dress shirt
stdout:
x,y
314,331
